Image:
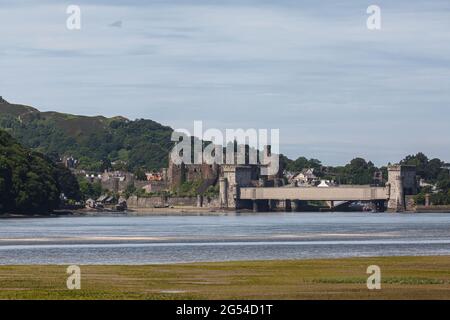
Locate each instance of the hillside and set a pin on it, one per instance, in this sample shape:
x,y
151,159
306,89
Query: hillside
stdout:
x,y
28,181
96,141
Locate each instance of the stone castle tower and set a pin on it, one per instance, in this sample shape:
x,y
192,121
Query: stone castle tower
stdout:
x,y
402,181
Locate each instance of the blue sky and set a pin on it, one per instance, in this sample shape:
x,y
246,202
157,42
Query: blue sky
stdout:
x,y
335,89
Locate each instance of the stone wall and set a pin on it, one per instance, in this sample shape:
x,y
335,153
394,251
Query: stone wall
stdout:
x,y
433,208
147,202
151,186
115,185
182,201
211,202
410,203
161,201
179,173
176,174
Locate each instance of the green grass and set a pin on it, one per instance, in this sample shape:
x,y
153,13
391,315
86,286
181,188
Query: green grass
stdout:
x,y
402,278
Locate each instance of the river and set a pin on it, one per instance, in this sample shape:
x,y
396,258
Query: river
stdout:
x,y
176,239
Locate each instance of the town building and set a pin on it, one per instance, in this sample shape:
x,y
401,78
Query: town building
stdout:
x,y
306,177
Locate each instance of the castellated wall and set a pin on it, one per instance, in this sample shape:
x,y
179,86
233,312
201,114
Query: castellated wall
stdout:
x,y
177,174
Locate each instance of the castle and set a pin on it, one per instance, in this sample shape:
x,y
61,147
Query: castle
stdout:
x,y
209,174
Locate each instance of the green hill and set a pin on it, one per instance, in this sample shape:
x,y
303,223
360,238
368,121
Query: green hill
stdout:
x,y
95,141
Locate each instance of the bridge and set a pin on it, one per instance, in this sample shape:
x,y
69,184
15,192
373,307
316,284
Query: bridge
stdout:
x,y
237,191
267,198
342,193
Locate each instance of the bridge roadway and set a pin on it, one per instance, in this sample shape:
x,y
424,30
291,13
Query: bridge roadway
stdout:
x,y
341,193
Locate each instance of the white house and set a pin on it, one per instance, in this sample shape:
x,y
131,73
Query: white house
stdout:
x,y
306,176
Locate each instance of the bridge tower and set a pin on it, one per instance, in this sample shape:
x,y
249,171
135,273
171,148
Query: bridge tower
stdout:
x,y
402,181
223,190
234,177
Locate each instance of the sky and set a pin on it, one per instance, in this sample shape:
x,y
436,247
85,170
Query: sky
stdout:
x,y
334,88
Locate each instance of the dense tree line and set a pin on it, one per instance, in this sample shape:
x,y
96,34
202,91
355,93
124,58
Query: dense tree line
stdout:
x,y
434,172
29,181
358,171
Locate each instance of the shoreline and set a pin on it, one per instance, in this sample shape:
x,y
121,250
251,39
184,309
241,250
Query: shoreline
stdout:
x,y
176,211
256,261
164,211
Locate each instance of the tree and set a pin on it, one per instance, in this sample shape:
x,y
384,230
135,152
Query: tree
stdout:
x,y
67,183
89,190
5,185
129,190
429,170
419,160
27,182
301,163
139,174
359,171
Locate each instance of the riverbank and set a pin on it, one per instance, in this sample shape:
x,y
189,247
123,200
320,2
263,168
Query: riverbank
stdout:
x,y
178,210
402,278
164,211
181,211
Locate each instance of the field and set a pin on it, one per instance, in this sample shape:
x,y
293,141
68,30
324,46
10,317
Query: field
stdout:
x,y
401,278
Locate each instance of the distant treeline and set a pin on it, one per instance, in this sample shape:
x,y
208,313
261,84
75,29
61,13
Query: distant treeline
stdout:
x,y
359,171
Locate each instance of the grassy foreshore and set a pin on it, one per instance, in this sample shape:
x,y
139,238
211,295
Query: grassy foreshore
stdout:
x,y
402,278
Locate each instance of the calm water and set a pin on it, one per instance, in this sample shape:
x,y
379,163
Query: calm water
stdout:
x,y
142,240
